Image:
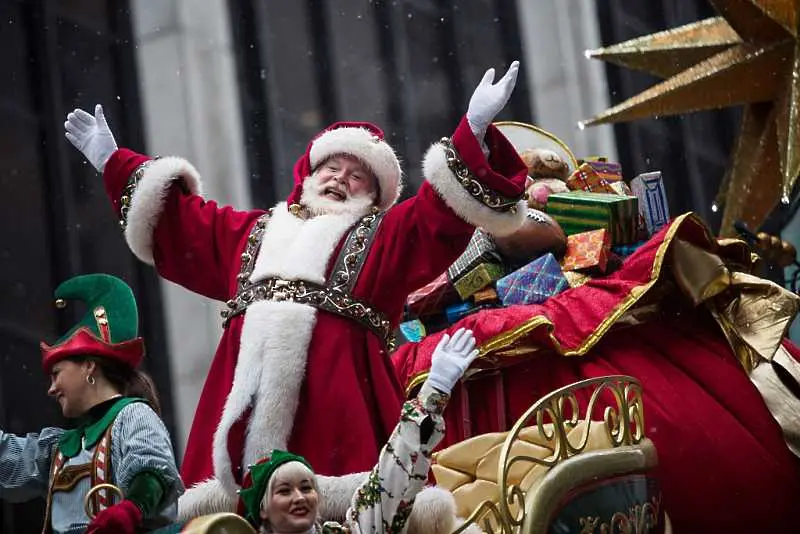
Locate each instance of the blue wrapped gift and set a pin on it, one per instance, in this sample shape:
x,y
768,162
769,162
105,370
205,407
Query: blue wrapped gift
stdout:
x,y
653,205
455,312
413,330
534,283
626,250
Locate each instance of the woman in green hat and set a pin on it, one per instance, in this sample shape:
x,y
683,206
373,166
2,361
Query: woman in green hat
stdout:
x,y
118,438
280,493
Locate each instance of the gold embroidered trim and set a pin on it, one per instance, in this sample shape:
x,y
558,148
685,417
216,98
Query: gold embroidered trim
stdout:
x,y
130,188
331,298
321,297
248,259
68,477
488,197
351,259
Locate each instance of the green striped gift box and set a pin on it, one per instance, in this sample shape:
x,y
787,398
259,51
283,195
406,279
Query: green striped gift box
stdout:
x,y
581,211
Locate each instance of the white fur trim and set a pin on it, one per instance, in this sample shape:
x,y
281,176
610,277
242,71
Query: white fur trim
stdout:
x,y
437,172
208,497
336,494
434,512
376,153
300,249
147,202
275,336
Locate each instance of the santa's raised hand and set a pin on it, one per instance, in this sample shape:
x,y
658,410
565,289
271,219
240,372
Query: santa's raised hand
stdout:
x,y
91,136
489,98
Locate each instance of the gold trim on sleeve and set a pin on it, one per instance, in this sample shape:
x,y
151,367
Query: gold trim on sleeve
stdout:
x,y
481,193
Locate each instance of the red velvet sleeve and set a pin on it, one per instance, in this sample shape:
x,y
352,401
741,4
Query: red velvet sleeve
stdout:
x,y
503,171
191,241
424,235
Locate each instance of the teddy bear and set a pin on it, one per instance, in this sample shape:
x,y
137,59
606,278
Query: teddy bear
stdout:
x,y
547,174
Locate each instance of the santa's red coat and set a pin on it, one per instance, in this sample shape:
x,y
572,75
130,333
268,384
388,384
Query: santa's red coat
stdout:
x,y
350,397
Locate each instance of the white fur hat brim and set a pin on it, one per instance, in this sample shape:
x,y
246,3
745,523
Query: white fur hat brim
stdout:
x,y
371,150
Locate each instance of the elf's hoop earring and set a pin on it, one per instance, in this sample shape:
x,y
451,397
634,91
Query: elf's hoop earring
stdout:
x,y
90,380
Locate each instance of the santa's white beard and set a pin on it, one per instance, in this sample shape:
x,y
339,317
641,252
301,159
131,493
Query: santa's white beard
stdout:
x,y
318,204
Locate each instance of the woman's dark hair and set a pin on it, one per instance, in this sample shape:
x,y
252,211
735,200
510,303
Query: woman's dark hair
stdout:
x,y
130,382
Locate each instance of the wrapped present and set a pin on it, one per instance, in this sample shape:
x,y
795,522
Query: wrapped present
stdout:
x,y
581,211
653,206
455,312
534,283
621,188
626,250
481,249
576,279
413,330
595,176
486,296
587,250
479,277
432,298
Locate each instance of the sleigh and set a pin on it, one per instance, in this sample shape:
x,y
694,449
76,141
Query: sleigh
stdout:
x,y
600,409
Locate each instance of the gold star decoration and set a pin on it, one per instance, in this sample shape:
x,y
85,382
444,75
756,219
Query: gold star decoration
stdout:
x,y
749,55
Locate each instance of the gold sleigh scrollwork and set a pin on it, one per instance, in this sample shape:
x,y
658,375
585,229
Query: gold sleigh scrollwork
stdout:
x,y
555,416
640,519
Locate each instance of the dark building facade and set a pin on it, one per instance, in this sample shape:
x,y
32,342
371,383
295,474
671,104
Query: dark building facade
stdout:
x,y
406,65
55,221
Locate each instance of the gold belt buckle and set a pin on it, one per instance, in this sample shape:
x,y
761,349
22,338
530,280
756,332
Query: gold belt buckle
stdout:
x,y
87,500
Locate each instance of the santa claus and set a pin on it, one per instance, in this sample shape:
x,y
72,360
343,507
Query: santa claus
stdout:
x,y
314,286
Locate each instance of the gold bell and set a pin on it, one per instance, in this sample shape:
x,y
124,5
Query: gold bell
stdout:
x,y
61,304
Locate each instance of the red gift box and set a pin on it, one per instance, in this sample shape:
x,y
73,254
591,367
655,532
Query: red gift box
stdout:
x,y
432,298
587,250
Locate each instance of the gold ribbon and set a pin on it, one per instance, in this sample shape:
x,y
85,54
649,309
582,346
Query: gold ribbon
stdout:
x,y
754,313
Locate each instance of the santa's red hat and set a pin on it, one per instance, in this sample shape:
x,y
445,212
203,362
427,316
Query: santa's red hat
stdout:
x,y
362,140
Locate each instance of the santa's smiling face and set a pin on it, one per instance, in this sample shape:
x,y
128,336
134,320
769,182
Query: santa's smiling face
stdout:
x,y
340,184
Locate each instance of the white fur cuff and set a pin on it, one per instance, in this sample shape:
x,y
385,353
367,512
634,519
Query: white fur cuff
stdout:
x,y
148,200
207,497
438,173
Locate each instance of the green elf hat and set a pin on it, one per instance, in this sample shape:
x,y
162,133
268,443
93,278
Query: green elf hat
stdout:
x,y
110,327
257,479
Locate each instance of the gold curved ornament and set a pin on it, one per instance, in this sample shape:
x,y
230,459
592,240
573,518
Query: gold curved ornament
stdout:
x,y
563,427
749,56
87,500
639,519
536,138
218,523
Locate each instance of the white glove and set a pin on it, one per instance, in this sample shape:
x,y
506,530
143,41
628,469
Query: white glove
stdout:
x,y
91,135
450,359
488,99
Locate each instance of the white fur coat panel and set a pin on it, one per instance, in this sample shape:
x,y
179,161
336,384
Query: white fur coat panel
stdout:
x,y
275,337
